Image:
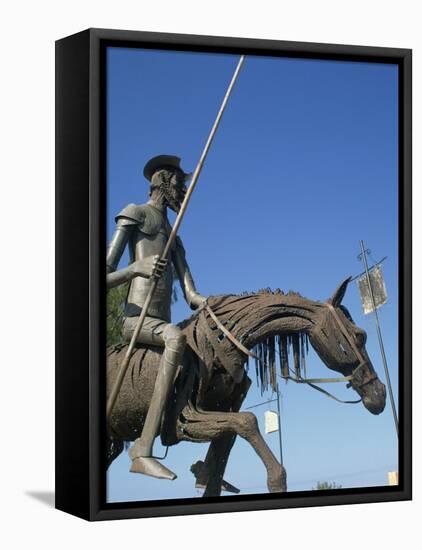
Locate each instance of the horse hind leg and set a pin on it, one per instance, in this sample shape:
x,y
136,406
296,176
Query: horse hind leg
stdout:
x,y
209,474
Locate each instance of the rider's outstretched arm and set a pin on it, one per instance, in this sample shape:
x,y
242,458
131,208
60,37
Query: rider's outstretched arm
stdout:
x,y
192,296
120,277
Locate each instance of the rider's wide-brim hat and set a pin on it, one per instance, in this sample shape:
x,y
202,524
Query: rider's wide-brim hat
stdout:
x,y
162,161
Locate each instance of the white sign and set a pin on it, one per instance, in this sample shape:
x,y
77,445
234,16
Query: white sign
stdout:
x,y
393,478
271,422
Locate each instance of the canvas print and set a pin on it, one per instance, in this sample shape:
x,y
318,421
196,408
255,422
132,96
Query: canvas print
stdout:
x,y
252,275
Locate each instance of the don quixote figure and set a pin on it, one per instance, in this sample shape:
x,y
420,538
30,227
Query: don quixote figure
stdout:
x,y
146,229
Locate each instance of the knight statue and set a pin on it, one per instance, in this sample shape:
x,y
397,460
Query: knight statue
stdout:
x,y
145,230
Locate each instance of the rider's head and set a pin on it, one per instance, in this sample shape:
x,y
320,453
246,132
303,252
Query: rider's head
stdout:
x,y
167,180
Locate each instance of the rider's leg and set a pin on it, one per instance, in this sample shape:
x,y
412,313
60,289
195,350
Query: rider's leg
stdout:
x,y
141,451
151,333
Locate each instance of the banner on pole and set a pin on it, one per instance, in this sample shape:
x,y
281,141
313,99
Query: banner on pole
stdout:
x,y
378,289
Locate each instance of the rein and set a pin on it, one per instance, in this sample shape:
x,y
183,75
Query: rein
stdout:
x,y
298,379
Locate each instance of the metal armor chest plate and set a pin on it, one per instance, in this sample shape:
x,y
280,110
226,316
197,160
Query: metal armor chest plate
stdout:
x,y
142,245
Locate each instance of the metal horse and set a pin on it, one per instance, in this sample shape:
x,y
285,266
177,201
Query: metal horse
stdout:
x,y
212,382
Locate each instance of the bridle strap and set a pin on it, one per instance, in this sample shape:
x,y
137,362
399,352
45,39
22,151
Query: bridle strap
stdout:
x,y
352,344
346,333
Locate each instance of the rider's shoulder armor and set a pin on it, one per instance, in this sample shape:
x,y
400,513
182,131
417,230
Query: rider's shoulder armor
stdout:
x,y
147,218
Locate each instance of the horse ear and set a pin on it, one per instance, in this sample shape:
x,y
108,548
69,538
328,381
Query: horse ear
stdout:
x,y
338,295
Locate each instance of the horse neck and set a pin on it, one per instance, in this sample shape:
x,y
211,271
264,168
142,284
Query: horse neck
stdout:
x,y
254,318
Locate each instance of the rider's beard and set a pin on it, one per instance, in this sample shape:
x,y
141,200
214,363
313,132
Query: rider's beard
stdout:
x,y
175,199
174,193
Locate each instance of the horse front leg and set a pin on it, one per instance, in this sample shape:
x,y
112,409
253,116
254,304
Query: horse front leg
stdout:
x,y
213,426
276,473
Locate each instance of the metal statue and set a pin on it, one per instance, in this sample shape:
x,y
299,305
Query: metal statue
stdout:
x,y
145,229
211,380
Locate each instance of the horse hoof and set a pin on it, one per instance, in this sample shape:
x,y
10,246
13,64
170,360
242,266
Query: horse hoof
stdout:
x,y
278,484
202,476
151,467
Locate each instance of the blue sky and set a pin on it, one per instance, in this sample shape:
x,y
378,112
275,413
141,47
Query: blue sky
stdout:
x,y
303,166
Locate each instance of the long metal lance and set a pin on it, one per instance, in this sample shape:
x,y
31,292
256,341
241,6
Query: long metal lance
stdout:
x,y
125,363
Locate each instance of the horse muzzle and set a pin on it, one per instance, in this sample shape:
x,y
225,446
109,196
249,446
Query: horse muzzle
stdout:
x,y
373,396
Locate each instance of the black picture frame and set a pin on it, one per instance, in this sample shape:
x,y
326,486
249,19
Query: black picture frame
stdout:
x,y
80,273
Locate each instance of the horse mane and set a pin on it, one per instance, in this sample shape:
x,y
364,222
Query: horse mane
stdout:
x,y
268,290
274,352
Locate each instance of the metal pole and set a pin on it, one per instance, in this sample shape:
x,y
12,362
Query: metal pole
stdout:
x,y
381,343
279,425
125,363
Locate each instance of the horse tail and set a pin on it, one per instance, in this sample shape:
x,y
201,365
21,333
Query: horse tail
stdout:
x,y
113,448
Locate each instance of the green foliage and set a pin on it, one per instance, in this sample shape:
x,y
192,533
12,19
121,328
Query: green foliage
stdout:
x,y
116,299
324,485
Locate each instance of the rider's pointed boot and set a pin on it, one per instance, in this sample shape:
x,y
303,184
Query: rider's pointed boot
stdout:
x,y
151,467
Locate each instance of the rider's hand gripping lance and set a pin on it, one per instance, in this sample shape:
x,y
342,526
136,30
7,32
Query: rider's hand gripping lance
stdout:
x,y
125,363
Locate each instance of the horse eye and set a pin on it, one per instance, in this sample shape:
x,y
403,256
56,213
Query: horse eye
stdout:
x,y
360,338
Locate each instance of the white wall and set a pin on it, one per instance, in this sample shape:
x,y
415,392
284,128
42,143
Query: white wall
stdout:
x,y
27,179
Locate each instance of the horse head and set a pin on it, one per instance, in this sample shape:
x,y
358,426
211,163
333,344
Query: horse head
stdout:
x,y
341,346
